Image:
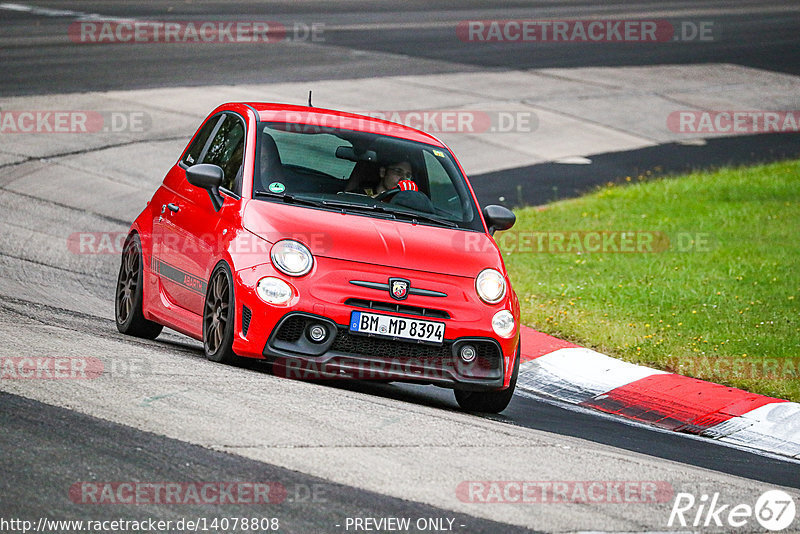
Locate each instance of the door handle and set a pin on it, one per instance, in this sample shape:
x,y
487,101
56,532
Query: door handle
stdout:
x,y
173,207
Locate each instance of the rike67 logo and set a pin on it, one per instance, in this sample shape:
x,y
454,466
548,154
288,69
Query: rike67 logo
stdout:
x,y
774,510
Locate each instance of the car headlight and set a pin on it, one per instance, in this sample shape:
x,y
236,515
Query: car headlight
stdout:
x,y
491,286
503,323
274,290
291,257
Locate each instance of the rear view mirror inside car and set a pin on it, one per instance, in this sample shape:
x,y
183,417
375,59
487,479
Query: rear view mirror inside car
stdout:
x,y
349,153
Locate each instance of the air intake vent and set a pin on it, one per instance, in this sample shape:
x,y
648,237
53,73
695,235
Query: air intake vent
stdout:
x,y
246,316
291,329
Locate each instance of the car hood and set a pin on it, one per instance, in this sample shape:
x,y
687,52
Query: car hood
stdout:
x,y
367,239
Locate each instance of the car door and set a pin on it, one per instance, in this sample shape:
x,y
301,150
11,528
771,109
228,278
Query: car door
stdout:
x,y
186,232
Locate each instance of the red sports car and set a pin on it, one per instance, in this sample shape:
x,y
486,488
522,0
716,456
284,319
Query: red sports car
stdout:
x,y
333,245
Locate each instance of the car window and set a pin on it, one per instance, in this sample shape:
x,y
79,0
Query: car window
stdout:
x,y
443,192
193,153
226,150
326,164
316,152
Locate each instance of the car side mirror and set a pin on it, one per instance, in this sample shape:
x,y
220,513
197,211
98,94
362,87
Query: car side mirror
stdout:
x,y
498,218
209,177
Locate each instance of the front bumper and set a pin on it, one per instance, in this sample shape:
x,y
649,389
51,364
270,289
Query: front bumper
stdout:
x,y
329,296
347,355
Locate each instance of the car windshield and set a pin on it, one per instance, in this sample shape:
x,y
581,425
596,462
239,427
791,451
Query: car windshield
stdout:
x,y
361,172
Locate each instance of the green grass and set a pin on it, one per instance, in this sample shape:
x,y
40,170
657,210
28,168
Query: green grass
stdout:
x,y
725,307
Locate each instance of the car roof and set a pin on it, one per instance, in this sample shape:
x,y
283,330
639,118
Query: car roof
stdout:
x,y
272,112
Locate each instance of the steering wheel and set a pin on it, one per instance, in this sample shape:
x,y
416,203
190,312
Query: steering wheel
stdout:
x,y
388,193
402,185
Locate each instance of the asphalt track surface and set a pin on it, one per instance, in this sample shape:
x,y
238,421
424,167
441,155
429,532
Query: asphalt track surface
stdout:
x,y
419,37
52,305
65,438
547,182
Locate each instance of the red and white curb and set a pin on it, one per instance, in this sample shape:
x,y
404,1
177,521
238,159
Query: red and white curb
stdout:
x,y
580,376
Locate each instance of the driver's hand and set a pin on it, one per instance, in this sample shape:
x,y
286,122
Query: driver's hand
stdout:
x,y
407,185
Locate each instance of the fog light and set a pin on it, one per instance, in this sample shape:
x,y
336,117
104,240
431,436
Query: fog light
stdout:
x,y
274,290
503,323
467,353
317,333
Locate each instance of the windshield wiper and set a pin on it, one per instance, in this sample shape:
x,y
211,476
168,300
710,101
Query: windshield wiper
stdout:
x,y
345,206
424,217
391,212
286,197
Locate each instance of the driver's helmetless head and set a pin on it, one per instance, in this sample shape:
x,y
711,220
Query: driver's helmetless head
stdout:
x,y
394,172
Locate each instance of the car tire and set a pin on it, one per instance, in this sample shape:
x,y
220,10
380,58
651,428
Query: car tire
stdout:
x,y
219,316
128,299
489,401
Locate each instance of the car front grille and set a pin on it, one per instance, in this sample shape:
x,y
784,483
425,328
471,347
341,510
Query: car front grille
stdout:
x,y
386,348
397,308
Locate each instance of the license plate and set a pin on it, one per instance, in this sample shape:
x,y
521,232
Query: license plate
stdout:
x,y
396,327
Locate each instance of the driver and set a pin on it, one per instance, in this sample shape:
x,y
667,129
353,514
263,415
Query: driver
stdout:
x,y
398,175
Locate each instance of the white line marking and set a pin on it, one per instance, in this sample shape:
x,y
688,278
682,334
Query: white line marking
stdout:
x,y
45,12
692,142
41,10
574,160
